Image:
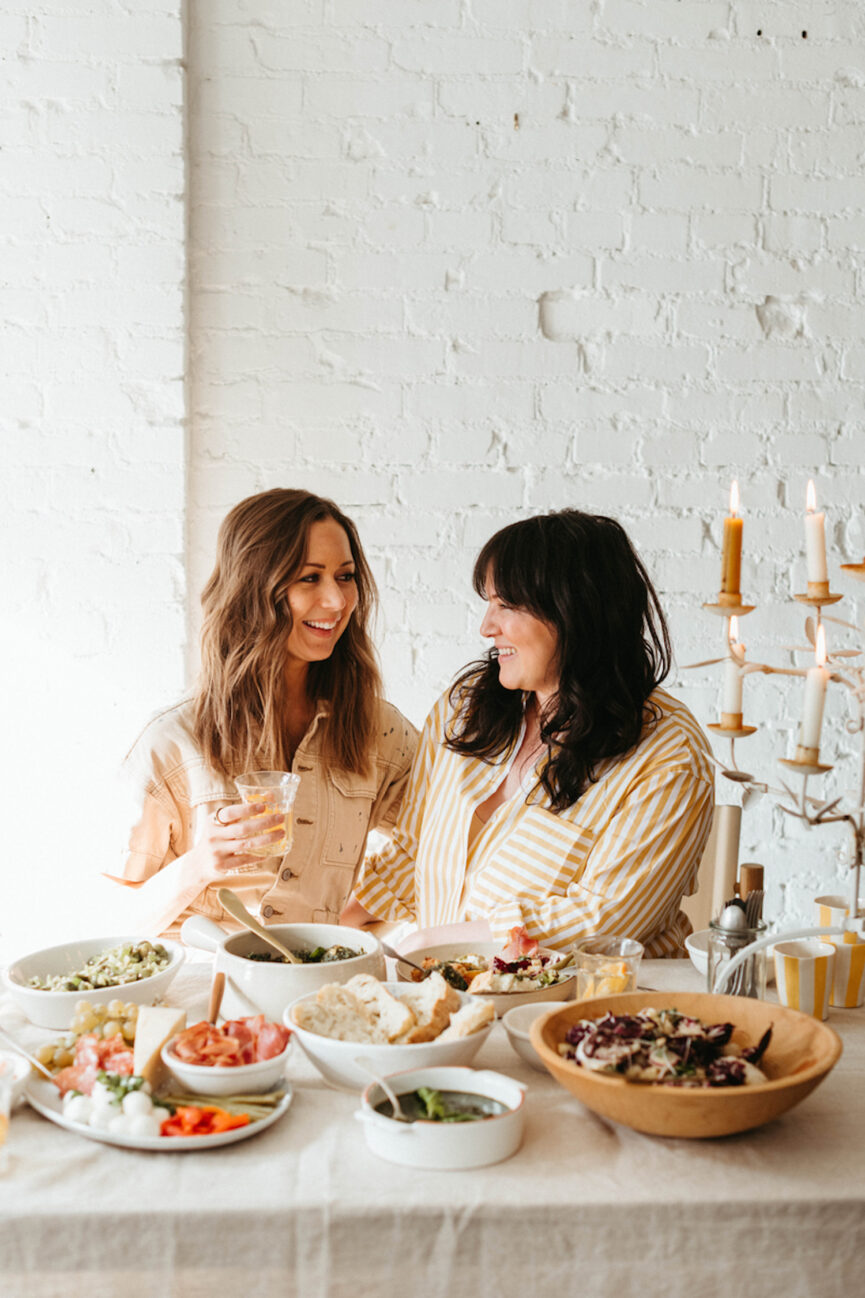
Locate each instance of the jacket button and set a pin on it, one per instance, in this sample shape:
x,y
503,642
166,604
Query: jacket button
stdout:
x,y
286,874
267,912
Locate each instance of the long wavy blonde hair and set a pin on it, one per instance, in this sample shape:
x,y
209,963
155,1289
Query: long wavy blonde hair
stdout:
x,y
240,704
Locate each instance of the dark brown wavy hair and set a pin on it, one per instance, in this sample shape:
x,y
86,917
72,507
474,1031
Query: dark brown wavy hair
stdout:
x,y
580,575
240,704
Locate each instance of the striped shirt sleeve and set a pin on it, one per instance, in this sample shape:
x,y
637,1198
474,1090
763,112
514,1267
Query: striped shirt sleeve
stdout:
x,y
636,872
387,881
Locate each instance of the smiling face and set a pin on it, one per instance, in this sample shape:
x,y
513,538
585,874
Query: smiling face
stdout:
x,y
323,595
527,647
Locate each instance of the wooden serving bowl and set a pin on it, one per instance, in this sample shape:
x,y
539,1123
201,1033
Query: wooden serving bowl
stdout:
x,y
802,1051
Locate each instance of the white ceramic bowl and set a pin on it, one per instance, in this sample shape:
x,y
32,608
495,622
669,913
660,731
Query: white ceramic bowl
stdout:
x,y
698,949
262,987
18,1069
443,1145
518,1022
241,1079
337,1060
50,1009
502,1001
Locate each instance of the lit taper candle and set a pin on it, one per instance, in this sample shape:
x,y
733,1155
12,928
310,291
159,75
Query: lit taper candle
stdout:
x,y
731,556
815,538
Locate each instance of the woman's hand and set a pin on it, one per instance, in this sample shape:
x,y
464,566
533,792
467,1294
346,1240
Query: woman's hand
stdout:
x,y
235,835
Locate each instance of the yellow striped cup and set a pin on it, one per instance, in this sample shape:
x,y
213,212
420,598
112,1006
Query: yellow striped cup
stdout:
x,y
803,974
833,910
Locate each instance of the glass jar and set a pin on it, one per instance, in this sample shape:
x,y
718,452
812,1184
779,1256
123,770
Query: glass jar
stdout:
x,y
749,978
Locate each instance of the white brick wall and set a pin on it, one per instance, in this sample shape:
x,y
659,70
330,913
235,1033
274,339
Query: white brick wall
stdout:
x,y
91,233
451,262
458,262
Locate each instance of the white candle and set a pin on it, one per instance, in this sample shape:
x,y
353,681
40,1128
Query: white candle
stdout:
x,y
815,538
732,696
815,696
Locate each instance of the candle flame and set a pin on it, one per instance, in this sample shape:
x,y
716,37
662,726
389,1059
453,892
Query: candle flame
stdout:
x,y
734,630
811,497
820,648
734,498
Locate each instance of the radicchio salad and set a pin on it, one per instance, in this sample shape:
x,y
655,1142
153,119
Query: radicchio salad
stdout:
x,y
665,1047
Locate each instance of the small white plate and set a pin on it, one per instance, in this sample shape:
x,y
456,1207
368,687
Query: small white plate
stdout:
x,y
45,1098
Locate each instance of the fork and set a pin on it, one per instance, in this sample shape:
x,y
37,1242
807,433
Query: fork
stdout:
x,y
753,914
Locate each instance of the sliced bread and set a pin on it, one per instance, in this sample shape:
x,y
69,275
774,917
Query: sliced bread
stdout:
x,y
473,1016
338,1013
432,1002
393,1017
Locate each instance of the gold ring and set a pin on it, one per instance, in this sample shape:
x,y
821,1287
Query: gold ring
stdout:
x,y
217,817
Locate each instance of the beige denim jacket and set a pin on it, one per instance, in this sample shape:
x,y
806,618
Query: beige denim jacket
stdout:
x,y
333,813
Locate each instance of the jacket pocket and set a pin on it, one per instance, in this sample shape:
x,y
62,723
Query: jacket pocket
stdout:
x,y
350,798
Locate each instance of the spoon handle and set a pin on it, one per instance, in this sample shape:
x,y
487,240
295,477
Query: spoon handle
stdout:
x,y
235,907
13,1044
217,987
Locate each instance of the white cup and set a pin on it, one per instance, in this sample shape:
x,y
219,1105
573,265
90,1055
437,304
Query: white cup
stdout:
x,y
803,973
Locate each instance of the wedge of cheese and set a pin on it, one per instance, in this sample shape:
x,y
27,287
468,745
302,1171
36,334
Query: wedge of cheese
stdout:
x,y
156,1024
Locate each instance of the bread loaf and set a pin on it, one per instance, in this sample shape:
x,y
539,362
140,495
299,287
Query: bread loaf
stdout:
x,y
432,1002
336,1012
473,1016
392,1017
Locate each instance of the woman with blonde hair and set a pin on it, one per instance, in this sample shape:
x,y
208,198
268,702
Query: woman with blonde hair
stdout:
x,y
289,681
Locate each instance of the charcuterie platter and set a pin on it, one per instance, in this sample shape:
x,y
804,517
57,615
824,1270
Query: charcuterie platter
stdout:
x,y
47,1100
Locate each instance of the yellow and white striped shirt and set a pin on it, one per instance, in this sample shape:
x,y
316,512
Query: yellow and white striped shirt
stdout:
x,y
619,860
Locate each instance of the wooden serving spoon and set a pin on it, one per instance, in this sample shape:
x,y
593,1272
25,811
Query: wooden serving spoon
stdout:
x,y
236,908
217,987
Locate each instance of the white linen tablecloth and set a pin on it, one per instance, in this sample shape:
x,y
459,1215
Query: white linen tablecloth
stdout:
x,y
585,1207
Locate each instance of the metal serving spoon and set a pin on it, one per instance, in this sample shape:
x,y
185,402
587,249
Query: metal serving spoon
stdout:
x,y
397,1111
13,1044
236,908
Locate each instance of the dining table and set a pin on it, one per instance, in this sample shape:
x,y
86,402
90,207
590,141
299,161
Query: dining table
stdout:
x,y
585,1207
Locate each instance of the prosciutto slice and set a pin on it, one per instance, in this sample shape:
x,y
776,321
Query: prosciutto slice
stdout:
x,y
519,945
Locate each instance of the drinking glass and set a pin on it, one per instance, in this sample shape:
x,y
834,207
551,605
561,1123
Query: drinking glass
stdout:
x,y
6,1080
277,791
606,965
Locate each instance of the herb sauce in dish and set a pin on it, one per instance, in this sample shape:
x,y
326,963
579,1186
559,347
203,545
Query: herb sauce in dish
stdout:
x,y
318,955
428,1105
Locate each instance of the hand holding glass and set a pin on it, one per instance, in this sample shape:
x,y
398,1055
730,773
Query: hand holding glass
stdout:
x,y
274,792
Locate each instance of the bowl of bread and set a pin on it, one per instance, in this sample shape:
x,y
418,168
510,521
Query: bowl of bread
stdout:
x,y
365,1027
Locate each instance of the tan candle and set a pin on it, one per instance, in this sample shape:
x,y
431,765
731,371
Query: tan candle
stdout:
x,y
731,555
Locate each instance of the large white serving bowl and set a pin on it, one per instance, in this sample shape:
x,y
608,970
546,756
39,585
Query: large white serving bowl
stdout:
x,y
337,1061
501,1001
48,1009
241,1079
262,987
441,1145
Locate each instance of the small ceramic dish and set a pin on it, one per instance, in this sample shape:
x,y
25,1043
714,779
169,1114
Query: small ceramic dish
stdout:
x,y
50,1009
239,1079
338,1061
518,1022
442,1145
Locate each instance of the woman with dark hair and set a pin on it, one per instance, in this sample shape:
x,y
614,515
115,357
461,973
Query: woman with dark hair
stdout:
x,y
555,786
289,681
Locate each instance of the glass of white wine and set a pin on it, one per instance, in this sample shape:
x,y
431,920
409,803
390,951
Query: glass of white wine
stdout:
x,y
276,791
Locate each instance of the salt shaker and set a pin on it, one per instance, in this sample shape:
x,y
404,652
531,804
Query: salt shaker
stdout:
x,y
728,935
